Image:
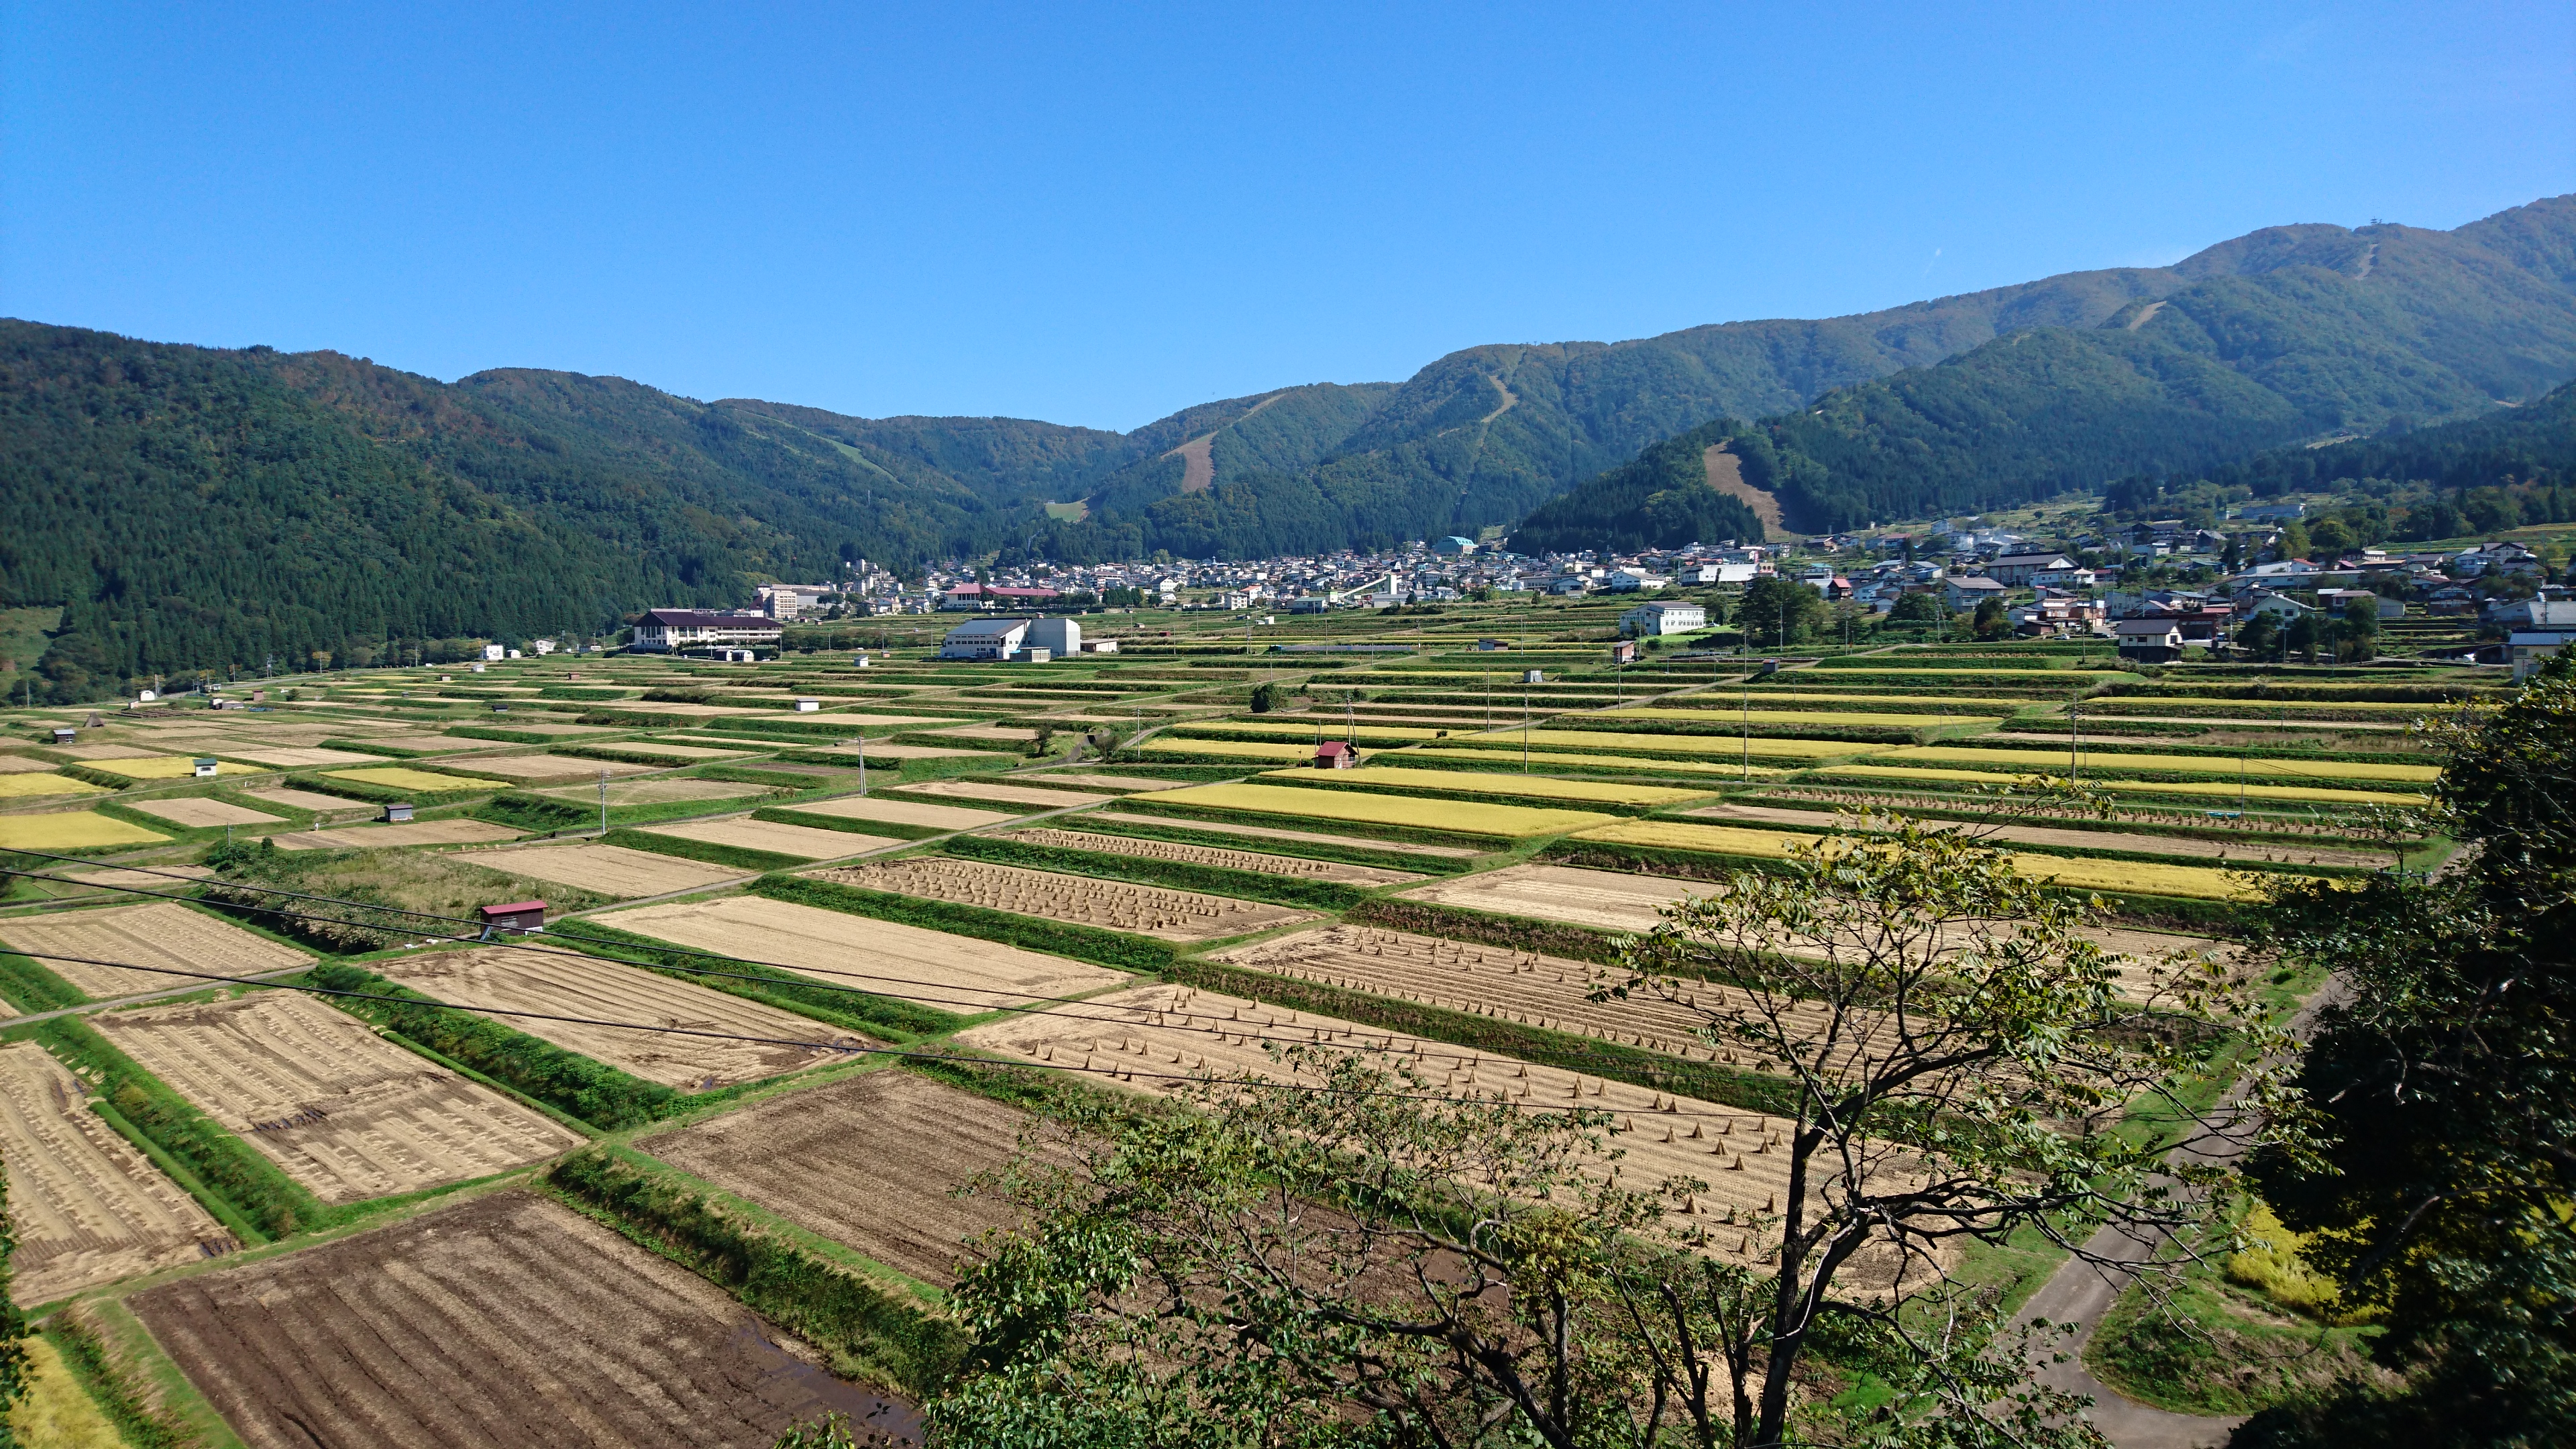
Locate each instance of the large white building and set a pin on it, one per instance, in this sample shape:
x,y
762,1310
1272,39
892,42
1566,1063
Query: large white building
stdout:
x,y
985,639
677,631
1660,618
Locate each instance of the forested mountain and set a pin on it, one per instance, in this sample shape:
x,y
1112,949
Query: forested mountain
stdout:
x,y
1700,487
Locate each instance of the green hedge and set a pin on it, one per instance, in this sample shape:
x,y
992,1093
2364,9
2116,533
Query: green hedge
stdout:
x,y
869,1329
1250,885
853,1006
573,1084
774,779
255,1189
892,830
139,1422
1082,943
706,850
532,812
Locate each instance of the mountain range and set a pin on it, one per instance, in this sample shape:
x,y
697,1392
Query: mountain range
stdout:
x,y
196,507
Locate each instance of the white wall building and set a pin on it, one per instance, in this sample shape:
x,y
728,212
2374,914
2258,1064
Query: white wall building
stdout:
x,y
1661,618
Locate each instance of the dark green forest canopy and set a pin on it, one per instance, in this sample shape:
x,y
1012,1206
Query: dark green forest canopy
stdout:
x,y
1661,500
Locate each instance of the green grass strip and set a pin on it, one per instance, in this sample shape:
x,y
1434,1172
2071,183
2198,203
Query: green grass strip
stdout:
x,y
136,1423
31,988
1058,938
706,850
890,829
859,1010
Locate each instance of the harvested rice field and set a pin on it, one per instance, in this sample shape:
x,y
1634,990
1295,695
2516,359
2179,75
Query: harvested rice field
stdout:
x,y
652,792
2214,789
1164,746
161,933
1155,1037
504,1321
338,1108
2151,878
199,811
1775,718
1264,832
2271,771
611,870
286,757
907,812
502,979
1113,782
395,777
89,1207
72,830
376,837
1715,770
1294,867
1702,746
24,786
549,767
875,750
21,765
1171,915
313,800
1608,899
1482,782
930,968
1468,817
745,833
872,1162
166,767
1008,794
2190,847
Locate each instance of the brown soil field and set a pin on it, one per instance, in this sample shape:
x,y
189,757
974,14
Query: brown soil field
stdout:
x,y
306,799
197,810
288,756
340,1109
678,754
503,979
912,752
611,870
1115,782
1009,794
870,1161
1604,898
1265,832
1296,867
104,752
377,837
907,812
750,834
507,1321
1147,910
1152,1035
548,767
21,765
89,1208
988,732
155,878
652,792
933,968
163,933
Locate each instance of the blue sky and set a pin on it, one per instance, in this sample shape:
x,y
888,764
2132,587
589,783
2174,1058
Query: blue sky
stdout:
x,y
1101,214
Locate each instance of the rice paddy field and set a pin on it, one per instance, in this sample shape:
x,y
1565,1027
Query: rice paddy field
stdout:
x,y
1466,883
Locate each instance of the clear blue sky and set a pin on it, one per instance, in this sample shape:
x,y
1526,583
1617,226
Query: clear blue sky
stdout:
x,y
1101,214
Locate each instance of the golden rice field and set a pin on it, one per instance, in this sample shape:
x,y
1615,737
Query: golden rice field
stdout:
x,y
2193,881
1227,749
395,777
1464,816
1798,717
1683,744
24,786
1857,672
1722,770
71,830
1981,703
1332,730
167,767
2154,704
2226,788
2122,762
1486,782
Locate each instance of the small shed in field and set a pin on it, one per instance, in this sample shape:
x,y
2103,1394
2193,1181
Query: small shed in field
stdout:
x,y
516,916
1336,755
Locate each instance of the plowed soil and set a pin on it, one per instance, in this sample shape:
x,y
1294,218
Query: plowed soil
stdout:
x,y
549,767
377,837
1147,910
341,1110
870,1161
1296,867
933,968
652,792
163,933
609,869
805,841
88,1207
198,811
562,985
907,812
505,1322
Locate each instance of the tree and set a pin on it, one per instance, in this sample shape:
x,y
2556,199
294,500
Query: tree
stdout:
x,y
1989,620
2259,637
2301,637
2447,1085
1915,608
2294,540
1778,612
1265,698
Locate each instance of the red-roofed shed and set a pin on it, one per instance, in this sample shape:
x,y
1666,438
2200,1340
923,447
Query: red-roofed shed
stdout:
x,y
1335,755
516,916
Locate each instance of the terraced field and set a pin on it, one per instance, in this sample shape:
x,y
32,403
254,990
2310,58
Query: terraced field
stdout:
x,y
1483,782
932,968
1466,817
1264,832
1173,915
379,837
2212,789
2151,878
804,841
2125,762
395,777
611,870
1211,855
162,933
1610,900
72,830
907,812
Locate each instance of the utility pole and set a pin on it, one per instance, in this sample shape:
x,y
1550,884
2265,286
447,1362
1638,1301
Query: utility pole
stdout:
x,y
1747,707
2074,737
603,804
1525,721
863,765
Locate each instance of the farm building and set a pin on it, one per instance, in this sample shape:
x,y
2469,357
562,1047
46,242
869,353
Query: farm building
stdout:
x,y
689,631
2149,641
1061,638
988,639
515,916
1335,755
1647,620
1965,594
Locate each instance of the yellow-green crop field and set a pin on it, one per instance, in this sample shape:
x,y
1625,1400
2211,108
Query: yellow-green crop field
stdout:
x,y
1980,702
1721,770
2194,881
166,767
2228,789
1465,816
72,830
1485,782
1718,745
1894,666
1798,717
2153,704
1333,730
1226,749
23,786
394,777
2122,762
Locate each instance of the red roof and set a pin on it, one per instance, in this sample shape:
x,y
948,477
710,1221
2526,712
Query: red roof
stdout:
x,y
515,908
1330,747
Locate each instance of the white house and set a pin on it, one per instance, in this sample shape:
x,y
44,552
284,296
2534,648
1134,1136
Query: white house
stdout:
x,y
985,639
2025,568
495,651
2151,641
1658,618
1969,593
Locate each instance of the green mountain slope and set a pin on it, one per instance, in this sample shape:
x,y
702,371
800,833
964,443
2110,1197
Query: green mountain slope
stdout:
x,y
1663,499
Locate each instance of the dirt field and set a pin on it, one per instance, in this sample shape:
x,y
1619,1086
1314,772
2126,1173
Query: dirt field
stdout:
x,y
88,1207
869,1161
1265,832
1009,794
1152,1035
1296,867
163,933
376,837
548,767
343,1111
571,985
1013,733
799,840
907,812
879,751
652,792
611,870
201,811
1604,898
289,796
1147,910
1117,782
21,765
290,757
953,973
504,1322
